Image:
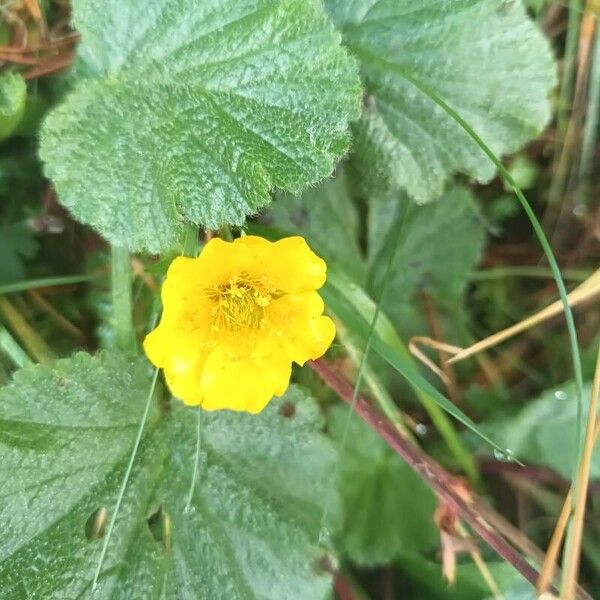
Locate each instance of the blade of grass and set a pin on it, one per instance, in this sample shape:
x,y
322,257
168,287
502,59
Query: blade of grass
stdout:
x,y
12,349
573,551
362,365
380,393
355,309
587,290
537,228
508,179
31,340
539,232
31,284
121,494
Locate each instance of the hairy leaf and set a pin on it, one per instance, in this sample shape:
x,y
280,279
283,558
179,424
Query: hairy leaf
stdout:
x,y
484,58
190,111
249,531
438,246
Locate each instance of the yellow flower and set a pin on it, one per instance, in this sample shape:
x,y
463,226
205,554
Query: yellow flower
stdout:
x,y
235,318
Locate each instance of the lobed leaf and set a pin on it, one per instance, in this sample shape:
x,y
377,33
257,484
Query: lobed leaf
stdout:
x,y
485,58
194,112
251,528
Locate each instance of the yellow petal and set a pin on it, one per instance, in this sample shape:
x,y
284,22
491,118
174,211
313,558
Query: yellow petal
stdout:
x,y
302,330
154,347
235,318
294,267
243,377
185,385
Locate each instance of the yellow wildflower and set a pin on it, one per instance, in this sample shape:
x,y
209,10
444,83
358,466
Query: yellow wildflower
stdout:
x,y
235,318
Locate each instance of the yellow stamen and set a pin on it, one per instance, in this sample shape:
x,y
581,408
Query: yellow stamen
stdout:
x,y
239,304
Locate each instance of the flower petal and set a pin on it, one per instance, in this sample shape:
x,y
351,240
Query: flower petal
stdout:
x,y
185,385
294,267
243,377
301,329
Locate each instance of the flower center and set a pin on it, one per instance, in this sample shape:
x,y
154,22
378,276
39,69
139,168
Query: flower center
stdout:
x,y
239,303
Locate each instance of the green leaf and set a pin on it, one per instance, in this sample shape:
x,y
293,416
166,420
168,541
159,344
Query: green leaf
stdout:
x,y
17,242
440,243
194,112
404,140
328,218
439,246
251,530
13,94
469,585
543,432
387,508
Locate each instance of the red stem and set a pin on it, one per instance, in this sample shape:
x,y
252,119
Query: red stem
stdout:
x,y
434,475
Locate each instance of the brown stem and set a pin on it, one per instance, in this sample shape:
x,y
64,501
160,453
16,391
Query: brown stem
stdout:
x,y
48,68
342,588
434,475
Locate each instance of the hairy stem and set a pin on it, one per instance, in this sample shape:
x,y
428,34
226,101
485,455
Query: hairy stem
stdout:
x,y
122,300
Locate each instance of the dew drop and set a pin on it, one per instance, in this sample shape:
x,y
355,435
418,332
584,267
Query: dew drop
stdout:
x,y
504,455
421,429
190,509
560,395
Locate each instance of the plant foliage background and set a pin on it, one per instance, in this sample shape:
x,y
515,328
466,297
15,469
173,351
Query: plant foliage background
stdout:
x,y
128,127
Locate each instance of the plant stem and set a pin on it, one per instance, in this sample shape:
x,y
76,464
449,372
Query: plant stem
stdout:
x,y
430,471
122,300
434,475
